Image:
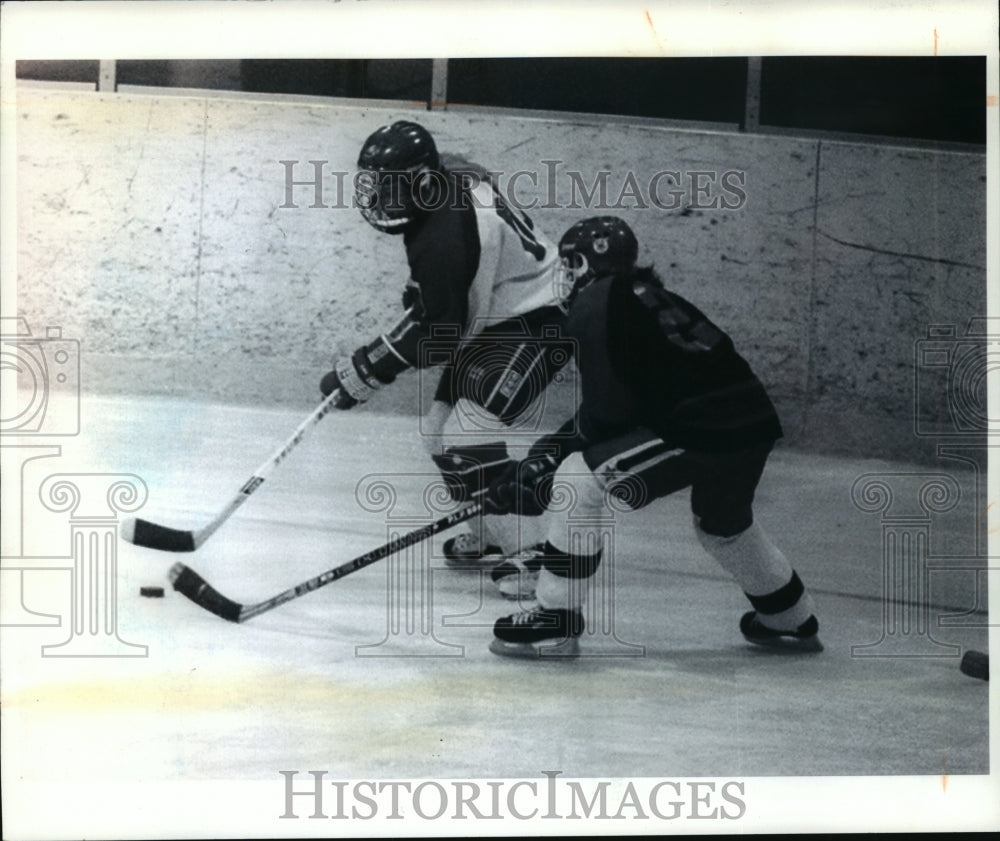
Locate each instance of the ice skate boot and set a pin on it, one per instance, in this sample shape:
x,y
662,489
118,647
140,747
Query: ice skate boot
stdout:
x,y
803,639
538,633
469,551
516,576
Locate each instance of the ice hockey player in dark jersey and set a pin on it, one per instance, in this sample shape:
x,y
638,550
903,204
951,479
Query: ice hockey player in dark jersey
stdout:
x,y
482,302
666,403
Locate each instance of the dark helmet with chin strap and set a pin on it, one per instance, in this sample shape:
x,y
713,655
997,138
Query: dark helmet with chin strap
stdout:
x,y
596,247
399,175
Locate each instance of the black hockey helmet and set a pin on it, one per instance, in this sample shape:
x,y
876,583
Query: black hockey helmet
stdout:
x,y
595,247
398,164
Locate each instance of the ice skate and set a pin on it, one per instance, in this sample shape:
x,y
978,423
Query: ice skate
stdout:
x,y
469,551
805,638
538,633
516,576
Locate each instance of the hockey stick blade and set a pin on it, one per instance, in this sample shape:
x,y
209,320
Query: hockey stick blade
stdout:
x,y
187,582
154,536
144,533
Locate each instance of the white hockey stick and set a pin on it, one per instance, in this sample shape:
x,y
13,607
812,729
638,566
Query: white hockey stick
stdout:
x,y
144,533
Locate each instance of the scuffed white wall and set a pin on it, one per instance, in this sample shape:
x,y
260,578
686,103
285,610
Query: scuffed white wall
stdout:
x,y
150,228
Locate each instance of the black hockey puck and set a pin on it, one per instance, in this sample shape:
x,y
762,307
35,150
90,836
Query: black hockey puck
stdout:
x,y
975,664
151,592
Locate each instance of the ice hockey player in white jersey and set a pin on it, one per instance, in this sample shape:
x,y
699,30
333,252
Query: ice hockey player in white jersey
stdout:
x,y
666,403
482,301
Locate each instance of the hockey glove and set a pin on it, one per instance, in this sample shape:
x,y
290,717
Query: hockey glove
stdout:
x,y
468,471
333,381
353,376
524,488
360,375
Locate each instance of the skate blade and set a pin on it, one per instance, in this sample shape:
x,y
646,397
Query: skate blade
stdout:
x,y
792,645
567,648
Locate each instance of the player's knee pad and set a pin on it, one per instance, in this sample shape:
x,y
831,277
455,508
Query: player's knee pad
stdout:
x,y
469,470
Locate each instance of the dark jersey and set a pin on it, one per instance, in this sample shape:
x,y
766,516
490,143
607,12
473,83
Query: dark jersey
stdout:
x,y
648,357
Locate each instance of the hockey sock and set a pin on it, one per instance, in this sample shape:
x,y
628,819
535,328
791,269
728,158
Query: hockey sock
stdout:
x,y
784,609
563,578
764,574
575,480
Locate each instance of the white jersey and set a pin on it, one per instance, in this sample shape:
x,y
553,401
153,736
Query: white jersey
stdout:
x,y
518,265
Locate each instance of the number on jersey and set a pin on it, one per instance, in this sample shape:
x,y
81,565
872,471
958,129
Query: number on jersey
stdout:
x,y
521,225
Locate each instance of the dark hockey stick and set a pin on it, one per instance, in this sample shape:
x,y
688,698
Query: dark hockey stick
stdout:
x,y
144,533
187,582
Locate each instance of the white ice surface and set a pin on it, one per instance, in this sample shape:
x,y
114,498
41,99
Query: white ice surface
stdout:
x,y
327,682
